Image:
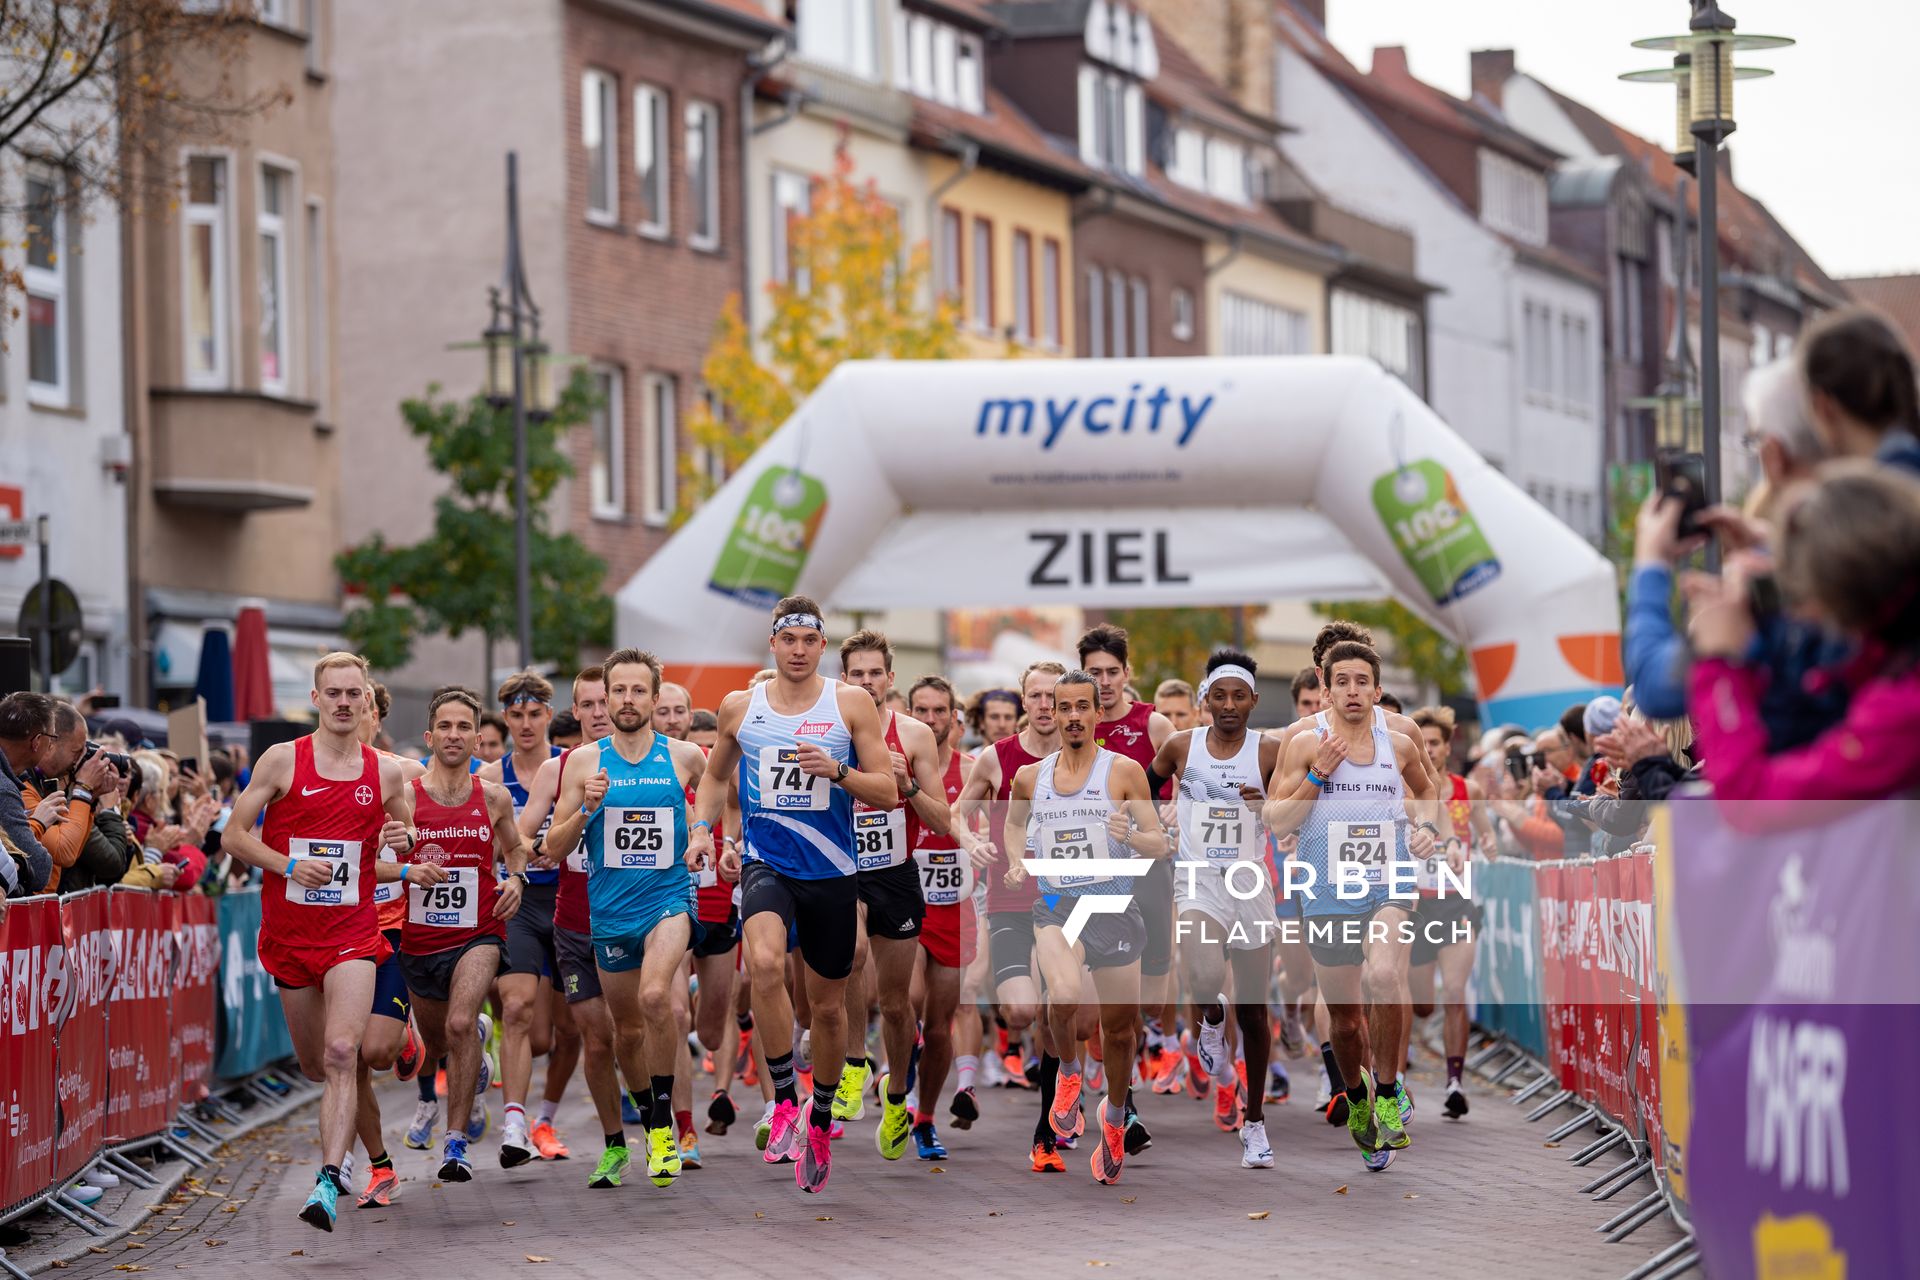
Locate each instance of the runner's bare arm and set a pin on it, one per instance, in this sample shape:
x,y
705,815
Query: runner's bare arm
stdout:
x,y
689,768
509,844
981,785
1159,729
580,781
1146,837
724,760
930,801
490,771
540,792
1169,759
1019,810
1480,820
397,798
872,782
272,776
1429,809
1292,794
1422,802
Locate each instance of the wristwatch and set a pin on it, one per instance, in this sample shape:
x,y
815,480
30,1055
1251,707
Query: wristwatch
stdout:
x,y
521,876
1430,829
915,784
844,771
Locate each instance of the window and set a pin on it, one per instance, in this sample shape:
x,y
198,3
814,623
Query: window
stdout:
x,y
1384,331
278,12
1142,333
703,174
839,33
205,267
1022,287
1513,197
1050,292
1117,312
1112,121
1579,383
970,75
1628,330
1538,350
1182,316
310,20
599,130
47,273
983,275
1253,327
711,463
1096,313
316,284
792,199
946,53
1227,170
951,283
1188,163
606,473
276,188
662,445
650,159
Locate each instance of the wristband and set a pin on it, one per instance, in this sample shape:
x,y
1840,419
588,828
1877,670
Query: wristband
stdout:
x,y
80,795
1315,778
915,784
1430,829
701,822
404,867
291,859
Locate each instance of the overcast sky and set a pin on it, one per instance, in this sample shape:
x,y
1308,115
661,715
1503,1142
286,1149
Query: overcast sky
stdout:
x,y
1831,142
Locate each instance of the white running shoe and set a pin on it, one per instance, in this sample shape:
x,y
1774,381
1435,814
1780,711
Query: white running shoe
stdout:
x,y
1212,1048
484,1076
1325,1095
1255,1151
102,1177
426,1117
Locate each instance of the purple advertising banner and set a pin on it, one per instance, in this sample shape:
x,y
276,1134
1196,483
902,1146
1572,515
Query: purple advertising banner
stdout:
x,y
1796,947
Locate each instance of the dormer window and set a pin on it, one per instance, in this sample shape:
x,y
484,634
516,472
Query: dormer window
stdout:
x,y
1122,36
1113,121
838,34
938,62
1513,198
1203,162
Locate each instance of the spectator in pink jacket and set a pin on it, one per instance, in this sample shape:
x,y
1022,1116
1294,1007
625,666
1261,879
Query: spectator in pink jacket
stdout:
x,y
1849,557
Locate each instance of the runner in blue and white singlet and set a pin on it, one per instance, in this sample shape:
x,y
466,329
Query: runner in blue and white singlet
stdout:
x,y
798,824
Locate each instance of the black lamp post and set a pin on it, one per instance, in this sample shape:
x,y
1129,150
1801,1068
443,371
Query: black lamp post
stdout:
x,y
519,373
1704,73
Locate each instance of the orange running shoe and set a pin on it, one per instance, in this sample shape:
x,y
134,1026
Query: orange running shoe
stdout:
x,y
407,1065
440,1082
547,1142
1109,1154
743,1065
1064,1117
1228,1108
1016,1071
1168,1069
382,1186
1046,1159
805,1079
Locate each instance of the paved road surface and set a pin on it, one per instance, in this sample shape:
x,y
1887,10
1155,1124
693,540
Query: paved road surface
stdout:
x,y
1474,1198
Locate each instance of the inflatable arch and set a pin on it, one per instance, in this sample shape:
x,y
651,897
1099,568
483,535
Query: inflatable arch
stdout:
x,y
1131,483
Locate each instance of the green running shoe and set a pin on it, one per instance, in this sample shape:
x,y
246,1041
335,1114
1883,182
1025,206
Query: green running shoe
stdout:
x,y
663,1157
613,1163
896,1125
1393,1130
849,1098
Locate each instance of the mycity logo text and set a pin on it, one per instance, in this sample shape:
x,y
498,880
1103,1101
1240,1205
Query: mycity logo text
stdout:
x,y
1096,416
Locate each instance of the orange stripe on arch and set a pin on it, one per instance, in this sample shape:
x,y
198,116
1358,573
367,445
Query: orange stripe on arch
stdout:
x,y
1491,667
1597,657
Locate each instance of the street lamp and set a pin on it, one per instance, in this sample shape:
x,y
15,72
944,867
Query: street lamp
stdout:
x,y
1704,73
518,374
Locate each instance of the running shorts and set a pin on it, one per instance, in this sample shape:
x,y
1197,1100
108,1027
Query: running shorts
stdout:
x,y
1435,919
1010,945
895,907
1243,924
1340,941
390,996
431,976
624,952
950,934
1153,898
720,937
1109,941
295,967
575,976
823,914
530,939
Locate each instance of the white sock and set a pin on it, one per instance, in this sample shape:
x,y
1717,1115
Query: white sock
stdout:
x,y
967,1064
1069,1066
514,1112
548,1108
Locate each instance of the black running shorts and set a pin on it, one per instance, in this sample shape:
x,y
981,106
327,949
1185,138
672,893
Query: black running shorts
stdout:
x,y
824,913
1010,945
430,977
1109,941
530,947
895,907
1153,895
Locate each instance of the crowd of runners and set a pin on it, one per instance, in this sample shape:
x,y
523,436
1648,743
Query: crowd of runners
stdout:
x,y
814,900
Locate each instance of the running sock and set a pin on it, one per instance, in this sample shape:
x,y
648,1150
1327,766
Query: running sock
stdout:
x,y
1332,1065
966,1064
895,1099
382,1161
662,1102
643,1103
1455,1066
1069,1066
331,1172
820,1114
1049,1076
548,1109
744,1021
1115,1116
780,1068
514,1109
922,1116
1357,1094
683,1122
427,1092
616,1139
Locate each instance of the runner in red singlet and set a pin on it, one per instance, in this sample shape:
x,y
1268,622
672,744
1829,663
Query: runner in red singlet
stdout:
x,y
1010,908
948,936
330,804
892,910
455,932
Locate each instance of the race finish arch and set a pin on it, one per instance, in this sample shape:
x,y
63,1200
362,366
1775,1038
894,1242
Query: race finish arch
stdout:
x,y
1128,484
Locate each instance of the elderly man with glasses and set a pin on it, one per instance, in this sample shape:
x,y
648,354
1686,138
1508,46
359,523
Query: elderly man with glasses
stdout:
x,y
26,734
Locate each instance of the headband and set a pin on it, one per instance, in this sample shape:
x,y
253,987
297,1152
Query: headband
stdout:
x,y
520,698
1001,695
1229,670
786,620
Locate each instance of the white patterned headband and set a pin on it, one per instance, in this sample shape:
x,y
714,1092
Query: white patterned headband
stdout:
x,y
1228,671
786,620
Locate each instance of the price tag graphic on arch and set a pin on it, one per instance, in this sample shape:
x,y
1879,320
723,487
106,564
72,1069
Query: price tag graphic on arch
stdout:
x,y
771,538
1433,530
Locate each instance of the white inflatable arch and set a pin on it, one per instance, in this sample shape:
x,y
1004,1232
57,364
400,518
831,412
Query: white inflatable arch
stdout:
x,y
1131,483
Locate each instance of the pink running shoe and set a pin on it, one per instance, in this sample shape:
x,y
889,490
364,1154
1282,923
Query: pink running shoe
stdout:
x,y
816,1160
784,1137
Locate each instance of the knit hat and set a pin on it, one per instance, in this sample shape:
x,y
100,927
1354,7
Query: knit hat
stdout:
x,y
1602,712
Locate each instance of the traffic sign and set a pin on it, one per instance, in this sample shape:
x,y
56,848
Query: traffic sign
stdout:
x,y
17,533
67,623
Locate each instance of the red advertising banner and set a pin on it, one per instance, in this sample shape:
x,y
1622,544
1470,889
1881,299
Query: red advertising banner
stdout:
x,y
194,919
1646,1060
77,990
140,1073
29,936
1556,934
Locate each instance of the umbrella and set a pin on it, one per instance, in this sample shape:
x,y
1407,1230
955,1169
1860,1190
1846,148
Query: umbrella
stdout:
x,y
252,682
215,681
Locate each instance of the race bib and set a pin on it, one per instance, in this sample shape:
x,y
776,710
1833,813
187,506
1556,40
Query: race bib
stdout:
x,y
785,787
879,837
1068,842
946,876
454,903
1367,845
577,860
1219,831
638,840
387,890
342,859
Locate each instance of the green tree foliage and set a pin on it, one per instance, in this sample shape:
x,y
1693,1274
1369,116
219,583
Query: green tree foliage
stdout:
x,y
1406,641
460,577
1174,644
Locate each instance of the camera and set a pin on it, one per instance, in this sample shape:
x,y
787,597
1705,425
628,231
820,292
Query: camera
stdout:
x,y
1521,764
1683,476
121,762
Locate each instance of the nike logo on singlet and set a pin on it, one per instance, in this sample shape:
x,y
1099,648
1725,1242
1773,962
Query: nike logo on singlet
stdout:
x,y
312,791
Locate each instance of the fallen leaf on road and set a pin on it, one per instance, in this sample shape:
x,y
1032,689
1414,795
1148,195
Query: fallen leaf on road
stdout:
x,y
938,1169
1411,1195
223,1181
1095,1262
993,1213
176,1227
213,1244
509,1222
1340,1190
758,1214
534,1257
1128,1199
823,1218
128,1266
298,1253
135,1244
230,1208
436,1186
218,1195
1260,1216
1549,1144
94,1248
58,1265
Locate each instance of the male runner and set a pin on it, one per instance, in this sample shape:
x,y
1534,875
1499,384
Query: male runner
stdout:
x,y
533,1010
702,728
1135,730
576,975
1226,917
794,741
324,796
994,714
1084,802
494,737
1174,700
1345,788
455,930
673,712
1010,906
948,935
1439,916
629,793
892,909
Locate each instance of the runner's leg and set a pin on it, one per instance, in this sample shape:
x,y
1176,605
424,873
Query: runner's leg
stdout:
x,y
347,997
